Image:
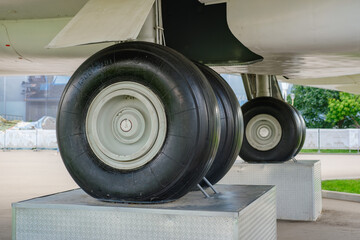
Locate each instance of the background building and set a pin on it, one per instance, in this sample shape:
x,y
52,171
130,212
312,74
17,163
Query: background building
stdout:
x,y
42,95
12,104
30,98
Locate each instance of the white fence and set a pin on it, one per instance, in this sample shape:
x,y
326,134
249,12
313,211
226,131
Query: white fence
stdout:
x,y
315,139
28,139
332,139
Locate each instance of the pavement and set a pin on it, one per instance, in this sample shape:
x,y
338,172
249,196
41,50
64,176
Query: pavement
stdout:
x,y
336,166
30,174
339,220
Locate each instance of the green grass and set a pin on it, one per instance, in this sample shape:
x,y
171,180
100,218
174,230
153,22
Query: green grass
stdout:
x,y
348,186
328,151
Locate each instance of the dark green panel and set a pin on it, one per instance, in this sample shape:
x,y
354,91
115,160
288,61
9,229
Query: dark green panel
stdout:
x,y
201,33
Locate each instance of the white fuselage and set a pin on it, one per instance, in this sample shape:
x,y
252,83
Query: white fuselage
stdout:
x,y
298,39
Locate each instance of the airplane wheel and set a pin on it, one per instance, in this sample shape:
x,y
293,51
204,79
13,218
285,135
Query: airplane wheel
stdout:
x,y
273,131
231,121
303,131
138,122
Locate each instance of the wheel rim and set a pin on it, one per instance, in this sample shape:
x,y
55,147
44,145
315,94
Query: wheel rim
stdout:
x,y
263,132
126,125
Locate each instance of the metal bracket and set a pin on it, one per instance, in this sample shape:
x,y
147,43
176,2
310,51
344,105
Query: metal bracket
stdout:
x,y
210,186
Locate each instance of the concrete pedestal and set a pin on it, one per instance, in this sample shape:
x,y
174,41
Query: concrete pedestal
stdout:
x,y
298,186
238,212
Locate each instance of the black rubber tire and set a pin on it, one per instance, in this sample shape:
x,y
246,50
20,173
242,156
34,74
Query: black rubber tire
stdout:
x,y
192,124
303,131
290,125
232,127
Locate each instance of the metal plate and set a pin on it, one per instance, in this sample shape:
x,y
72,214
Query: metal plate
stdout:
x,y
75,215
298,185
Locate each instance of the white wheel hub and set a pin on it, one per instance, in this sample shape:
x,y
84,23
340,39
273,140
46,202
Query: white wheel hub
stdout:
x,y
126,125
263,132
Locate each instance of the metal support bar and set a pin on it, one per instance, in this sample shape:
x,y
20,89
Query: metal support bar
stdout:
x,y
36,140
203,191
319,141
5,141
210,185
275,88
249,85
153,30
160,37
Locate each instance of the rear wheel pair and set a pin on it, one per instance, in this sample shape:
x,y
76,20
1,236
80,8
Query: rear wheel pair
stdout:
x,y
274,131
140,122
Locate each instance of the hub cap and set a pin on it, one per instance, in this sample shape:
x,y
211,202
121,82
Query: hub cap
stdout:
x,y
126,125
263,132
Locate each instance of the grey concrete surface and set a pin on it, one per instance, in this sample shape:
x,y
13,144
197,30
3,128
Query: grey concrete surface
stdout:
x,y
29,174
336,166
339,220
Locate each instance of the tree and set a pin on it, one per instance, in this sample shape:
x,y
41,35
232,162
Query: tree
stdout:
x,y
344,112
313,104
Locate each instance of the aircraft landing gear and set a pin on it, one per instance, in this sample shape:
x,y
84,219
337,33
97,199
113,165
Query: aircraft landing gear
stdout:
x,y
274,130
138,122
